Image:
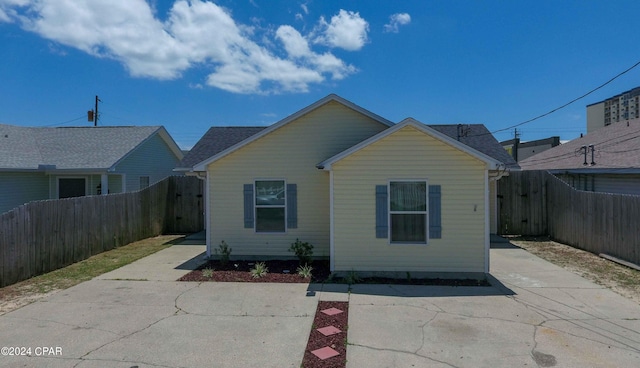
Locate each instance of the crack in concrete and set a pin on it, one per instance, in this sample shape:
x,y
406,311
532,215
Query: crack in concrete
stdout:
x,y
594,329
405,352
134,363
63,324
424,325
121,337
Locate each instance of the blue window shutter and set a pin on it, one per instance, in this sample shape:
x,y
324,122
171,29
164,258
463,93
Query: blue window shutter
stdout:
x,y
435,212
382,212
248,206
292,206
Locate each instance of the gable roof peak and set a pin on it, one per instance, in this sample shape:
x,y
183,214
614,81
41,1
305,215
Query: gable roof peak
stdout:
x,y
491,162
201,166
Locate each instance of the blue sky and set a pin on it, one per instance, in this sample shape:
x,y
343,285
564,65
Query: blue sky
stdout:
x,y
189,65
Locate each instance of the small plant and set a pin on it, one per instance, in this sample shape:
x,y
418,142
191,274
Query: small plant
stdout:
x,y
331,278
409,277
303,251
352,277
305,271
259,270
207,272
225,251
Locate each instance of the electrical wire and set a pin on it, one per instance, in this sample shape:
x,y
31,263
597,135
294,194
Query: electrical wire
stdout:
x,y
65,122
568,103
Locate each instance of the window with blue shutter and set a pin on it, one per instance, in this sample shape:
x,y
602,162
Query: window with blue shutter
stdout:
x,y
292,206
382,227
248,206
408,212
269,208
435,209
402,210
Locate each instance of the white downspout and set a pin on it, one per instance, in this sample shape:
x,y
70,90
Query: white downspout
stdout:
x,y
487,220
207,212
332,261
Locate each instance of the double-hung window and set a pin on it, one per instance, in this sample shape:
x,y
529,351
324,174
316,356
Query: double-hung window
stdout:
x,y
270,206
408,211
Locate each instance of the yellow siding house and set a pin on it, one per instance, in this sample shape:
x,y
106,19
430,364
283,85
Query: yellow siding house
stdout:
x,y
370,195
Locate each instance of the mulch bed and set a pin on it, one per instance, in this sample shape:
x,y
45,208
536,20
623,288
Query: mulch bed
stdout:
x,y
282,271
338,342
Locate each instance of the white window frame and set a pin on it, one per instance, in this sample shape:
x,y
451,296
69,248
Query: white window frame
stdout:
x,y
256,206
391,212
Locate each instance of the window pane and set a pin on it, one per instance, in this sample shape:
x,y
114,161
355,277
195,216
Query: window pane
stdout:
x,y
270,220
71,187
408,196
270,192
409,228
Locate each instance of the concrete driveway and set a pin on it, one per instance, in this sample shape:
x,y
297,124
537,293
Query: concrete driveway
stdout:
x,y
536,315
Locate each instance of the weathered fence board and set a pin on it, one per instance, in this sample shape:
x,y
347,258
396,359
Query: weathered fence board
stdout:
x,y
43,236
538,203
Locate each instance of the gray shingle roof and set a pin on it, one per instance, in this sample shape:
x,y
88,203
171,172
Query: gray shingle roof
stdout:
x,y
216,140
478,137
617,147
68,147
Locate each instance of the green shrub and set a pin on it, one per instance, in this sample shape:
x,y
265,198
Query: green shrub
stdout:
x,y
352,278
303,251
224,251
305,271
259,270
207,272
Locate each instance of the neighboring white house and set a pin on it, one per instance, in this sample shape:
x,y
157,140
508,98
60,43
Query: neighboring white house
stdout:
x,y
50,163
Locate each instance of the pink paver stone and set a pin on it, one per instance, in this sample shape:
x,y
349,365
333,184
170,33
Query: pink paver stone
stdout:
x,y
329,330
331,311
325,353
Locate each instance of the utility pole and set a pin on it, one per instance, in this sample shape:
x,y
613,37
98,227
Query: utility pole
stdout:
x,y
516,143
95,117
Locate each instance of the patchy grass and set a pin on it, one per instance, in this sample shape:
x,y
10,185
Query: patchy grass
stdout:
x,y
619,278
27,291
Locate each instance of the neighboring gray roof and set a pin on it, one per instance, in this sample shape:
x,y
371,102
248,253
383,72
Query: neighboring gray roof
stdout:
x,y
617,149
478,137
26,148
216,140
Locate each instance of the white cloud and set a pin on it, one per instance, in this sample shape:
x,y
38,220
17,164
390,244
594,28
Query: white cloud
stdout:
x,y
294,43
7,11
346,30
397,20
196,32
298,48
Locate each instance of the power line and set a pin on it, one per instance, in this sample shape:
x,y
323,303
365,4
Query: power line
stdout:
x,y
568,103
65,122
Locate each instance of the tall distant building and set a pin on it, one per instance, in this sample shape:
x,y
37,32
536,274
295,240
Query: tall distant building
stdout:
x,y
622,107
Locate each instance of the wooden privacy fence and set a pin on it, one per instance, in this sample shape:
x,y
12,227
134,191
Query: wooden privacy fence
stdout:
x,y
42,236
538,203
